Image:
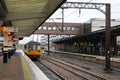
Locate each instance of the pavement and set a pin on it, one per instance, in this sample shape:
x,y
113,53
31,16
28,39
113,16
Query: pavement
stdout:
x,y
12,70
20,67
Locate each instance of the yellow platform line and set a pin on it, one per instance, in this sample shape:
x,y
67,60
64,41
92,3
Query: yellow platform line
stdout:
x,y
27,74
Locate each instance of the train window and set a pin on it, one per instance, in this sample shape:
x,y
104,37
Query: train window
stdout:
x,y
34,47
54,28
29,47
38,47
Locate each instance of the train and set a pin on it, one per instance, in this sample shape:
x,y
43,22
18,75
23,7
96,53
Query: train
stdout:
x,y
33,49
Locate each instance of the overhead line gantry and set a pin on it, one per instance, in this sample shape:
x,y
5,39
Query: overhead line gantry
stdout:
x,y
98,6
107,13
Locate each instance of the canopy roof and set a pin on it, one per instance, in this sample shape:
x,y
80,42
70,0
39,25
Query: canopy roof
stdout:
x,y
27,15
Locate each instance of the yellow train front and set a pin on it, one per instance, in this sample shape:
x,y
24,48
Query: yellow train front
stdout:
x,y
33,49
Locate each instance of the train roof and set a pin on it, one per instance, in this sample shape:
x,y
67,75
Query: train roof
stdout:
x,y
33,42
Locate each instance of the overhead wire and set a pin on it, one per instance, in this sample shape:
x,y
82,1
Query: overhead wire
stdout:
x,y
113,13
90,1
90,13
59,14
76,10
70,14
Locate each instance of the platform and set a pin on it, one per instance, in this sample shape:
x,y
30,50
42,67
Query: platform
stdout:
x,y
20,67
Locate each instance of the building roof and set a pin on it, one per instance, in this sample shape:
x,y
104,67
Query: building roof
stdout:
x,y
115,31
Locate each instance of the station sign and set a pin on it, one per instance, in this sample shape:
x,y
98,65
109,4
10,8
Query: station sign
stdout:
x,y
9,29
12,29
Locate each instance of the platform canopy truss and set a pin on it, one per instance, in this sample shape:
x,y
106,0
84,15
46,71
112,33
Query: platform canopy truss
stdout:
x,y
106,11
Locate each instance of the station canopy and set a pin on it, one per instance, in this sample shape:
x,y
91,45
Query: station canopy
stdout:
x,y
27,15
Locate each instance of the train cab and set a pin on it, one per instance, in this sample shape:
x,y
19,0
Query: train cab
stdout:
x,y
33,49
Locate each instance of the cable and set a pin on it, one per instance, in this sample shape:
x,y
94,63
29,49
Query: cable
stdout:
x,y
59,14
70,14
90,1
76,10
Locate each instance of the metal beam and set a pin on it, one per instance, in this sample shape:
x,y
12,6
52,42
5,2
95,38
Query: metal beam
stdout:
x,y
62,19
108,35
56,24
48,44
55,32
54,28
83,5
23,16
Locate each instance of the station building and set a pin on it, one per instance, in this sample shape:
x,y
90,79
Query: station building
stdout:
x,y
92,41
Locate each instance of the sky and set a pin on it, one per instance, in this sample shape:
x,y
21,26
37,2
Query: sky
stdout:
x,y
73,15
80,15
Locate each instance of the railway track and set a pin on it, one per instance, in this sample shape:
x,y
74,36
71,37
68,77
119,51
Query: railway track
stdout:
x,y
114,67
91,63
81,73
51,74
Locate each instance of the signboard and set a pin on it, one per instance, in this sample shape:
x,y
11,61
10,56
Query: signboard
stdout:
x,y
100,24
12,29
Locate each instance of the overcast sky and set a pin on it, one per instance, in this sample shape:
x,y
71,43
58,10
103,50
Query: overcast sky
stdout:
x,y
74,16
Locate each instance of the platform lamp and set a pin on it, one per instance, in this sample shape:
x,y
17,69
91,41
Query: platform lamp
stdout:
x,y
4,29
